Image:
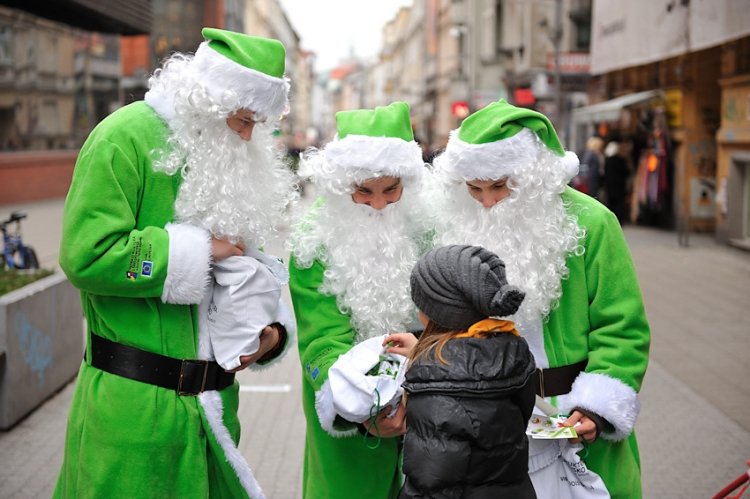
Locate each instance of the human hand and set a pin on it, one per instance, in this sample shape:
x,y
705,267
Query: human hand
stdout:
x,y
269,338
388,426
586,429
222,248
401,343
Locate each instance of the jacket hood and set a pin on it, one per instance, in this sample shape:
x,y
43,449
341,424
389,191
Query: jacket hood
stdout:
x,y
481,367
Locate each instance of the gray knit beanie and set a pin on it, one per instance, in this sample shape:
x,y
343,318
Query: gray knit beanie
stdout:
x,y
457,286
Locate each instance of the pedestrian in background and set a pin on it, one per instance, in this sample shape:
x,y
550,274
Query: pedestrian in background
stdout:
x,y
162,189
592,165
616,173
469,381
504,179
351,258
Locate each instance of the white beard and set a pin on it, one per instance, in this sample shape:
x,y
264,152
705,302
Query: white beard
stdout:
x,y
529,230
232,188
369,256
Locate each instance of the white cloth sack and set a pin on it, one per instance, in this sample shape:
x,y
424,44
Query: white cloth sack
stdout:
x,y
358,395
245,299
557,471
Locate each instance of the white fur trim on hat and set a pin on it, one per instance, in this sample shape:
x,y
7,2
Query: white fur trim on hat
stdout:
x,y
382,156
494,160
327,413
189,264
607,397
256,91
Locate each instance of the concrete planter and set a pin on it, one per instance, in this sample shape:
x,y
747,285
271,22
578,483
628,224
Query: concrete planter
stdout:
x,y
41,344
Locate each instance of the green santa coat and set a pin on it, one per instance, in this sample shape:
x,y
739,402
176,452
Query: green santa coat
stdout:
x,y
140,284
340,462
601,317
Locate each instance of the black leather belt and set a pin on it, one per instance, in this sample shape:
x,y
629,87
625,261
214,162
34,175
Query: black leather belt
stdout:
x,y
187,377
557,380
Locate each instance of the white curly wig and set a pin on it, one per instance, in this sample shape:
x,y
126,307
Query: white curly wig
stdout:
x,y
530,229
233,188
368,253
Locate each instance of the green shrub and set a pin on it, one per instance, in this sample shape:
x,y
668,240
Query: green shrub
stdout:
x,y
11,280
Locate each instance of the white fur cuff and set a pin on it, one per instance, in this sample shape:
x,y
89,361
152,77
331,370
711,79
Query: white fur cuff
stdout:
x,y
327,414
606,396
189,264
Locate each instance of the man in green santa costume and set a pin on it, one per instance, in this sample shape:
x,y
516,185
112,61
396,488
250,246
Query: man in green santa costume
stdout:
x,y
162,189
352,255
503,185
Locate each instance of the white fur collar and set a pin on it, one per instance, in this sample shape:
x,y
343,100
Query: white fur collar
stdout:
x,y
162,103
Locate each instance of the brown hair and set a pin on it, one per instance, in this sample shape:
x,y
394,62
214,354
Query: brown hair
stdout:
x,y
434,337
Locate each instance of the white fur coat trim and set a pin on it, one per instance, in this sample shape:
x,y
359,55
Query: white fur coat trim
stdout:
x,y
256,91
326,412
606,396
189,264
214,410
383,156
495,160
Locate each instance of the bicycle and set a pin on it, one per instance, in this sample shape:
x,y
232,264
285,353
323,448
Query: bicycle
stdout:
x,y
16,255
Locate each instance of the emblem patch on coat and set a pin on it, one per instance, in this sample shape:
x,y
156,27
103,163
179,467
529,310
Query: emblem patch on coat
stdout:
x,y
146,268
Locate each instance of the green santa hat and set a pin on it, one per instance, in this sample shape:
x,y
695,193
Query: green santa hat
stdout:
x,y
502,139
371,143
250,68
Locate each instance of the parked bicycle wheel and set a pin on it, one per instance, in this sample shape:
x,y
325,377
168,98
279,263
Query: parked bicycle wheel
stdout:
x,y
30,260
21,259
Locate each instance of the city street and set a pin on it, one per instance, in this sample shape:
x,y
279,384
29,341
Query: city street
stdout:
x,y
694,427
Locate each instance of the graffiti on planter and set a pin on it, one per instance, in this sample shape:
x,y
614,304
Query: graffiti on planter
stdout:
x,y
35,346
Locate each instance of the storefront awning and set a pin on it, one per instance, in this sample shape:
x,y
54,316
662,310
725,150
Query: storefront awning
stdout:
x,y
610,110
106,16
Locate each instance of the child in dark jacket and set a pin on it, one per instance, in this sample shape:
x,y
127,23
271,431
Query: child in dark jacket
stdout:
x,y
469,385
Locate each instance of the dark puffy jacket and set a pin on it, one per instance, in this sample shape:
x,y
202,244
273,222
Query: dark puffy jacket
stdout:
x,y
466,421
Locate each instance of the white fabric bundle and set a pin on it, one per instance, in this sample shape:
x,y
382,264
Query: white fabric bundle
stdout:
x,y
358,395
557,471
244,300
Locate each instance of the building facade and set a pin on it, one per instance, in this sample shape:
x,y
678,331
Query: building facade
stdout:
x,y
671,75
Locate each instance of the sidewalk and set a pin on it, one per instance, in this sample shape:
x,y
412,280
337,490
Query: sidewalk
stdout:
x,y
694,427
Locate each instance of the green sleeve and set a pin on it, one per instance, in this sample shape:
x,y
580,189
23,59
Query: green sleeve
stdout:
x,y
620,336
103,243
323,332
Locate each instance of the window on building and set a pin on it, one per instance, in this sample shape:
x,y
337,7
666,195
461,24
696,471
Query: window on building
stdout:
x,y
6,46
581,18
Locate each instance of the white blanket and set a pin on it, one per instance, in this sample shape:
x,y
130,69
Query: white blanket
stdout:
x,y
245,299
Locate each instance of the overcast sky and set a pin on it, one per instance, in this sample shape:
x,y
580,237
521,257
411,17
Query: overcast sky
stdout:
x,y
333,28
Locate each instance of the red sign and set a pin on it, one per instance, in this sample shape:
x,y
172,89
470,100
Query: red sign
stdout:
x,y
460,109
524,97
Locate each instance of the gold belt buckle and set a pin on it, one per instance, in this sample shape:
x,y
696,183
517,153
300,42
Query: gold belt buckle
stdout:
x,y
180,391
